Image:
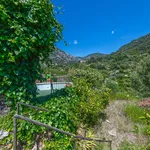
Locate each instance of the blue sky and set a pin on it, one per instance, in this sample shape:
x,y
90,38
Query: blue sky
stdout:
x,y
102,25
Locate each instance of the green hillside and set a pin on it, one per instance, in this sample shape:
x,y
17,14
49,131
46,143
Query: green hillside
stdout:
x,y
129,66
141,44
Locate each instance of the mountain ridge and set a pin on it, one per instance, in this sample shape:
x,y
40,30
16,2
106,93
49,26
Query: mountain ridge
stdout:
x,y
140,45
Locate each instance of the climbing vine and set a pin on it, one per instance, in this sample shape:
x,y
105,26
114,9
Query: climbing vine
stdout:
x,y
29,31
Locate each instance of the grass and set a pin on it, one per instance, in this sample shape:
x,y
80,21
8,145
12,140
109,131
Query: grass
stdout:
x,y
134,112
123,96
131,146
141,119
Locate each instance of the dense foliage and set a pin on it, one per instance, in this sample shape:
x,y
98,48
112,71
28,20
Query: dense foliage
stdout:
x,y
65,113
128,68
62,114
28,30
94,95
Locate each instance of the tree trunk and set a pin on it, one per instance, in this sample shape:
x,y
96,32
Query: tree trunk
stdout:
x,y
2,103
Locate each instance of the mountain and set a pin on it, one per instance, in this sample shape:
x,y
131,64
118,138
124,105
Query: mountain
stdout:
x,y
131,54
141,44
59,57
94,55
127,69
135,48
129,66
133,51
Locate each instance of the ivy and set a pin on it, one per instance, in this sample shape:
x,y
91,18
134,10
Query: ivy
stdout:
x,y
63,114
29,31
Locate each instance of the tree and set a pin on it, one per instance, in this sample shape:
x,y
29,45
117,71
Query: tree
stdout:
x,y
28,33
144,76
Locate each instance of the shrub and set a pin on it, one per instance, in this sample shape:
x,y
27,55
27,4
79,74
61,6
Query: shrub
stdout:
x,y
92,76
92,101
62,114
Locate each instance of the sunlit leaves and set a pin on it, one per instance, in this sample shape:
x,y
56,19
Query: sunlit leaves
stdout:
x,y
28,30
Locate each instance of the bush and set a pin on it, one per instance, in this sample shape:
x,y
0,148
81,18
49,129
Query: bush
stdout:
x,y
62,114
92,101
92,76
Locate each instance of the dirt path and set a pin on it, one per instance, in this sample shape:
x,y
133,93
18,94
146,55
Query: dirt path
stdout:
x,y
117,127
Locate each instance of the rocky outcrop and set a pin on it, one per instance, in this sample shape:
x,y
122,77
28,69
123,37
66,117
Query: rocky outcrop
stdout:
x,y
59,57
